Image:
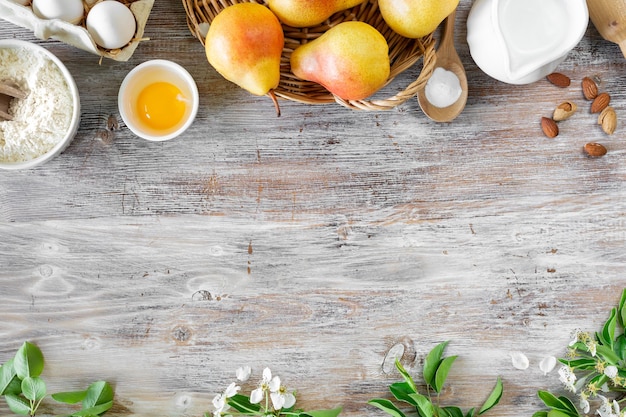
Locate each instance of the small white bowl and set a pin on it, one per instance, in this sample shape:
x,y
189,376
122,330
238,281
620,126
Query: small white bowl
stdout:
x,y
75,120
145,74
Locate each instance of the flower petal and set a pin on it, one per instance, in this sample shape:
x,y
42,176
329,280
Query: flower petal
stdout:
x,y
267,375
584,405
290,400
243,373
520,361
277,400
256,396
274,384
547,364
219,402
610,371
231,390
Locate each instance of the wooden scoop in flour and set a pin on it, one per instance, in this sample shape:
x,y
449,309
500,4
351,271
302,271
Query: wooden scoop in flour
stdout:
x,y
8,91
609,17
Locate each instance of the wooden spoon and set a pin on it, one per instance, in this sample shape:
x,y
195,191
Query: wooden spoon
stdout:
x,y
447,58
8,91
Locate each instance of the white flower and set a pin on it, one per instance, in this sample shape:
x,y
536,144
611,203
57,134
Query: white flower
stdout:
x,y
220,400
592,346
610,371
231,390
575,337
267,384
220,405
282,399
608,408
567,377
243,373
584,405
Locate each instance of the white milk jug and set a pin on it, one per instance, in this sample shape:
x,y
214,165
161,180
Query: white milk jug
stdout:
x,y
522,41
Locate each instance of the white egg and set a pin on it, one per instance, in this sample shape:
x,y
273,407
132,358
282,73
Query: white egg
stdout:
x,y
111,24
69,10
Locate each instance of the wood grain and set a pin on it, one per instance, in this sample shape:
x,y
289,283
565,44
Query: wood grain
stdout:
x,y
315,243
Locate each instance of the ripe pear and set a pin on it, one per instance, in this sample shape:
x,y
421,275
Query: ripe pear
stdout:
x,y
351,60
303,13
415,18
244,44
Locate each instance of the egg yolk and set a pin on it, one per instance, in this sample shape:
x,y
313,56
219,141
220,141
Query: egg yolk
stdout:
x,y
161,106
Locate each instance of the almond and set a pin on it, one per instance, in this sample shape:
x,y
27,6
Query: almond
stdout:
x,y
590,88
558,79
549,127
600,102
594,149
564,111
608,120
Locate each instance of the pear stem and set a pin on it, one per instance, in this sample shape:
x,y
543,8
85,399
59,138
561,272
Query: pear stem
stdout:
x,y
275,100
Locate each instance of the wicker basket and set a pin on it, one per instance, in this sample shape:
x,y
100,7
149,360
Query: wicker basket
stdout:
x,y
403,53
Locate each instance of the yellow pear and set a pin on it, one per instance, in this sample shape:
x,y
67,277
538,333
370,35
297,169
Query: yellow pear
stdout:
x,y
351,60
303,13
244,44
415,18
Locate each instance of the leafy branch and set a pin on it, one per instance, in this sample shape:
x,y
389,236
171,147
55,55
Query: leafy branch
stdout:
x,y
269,398
24,390
593,369
435,372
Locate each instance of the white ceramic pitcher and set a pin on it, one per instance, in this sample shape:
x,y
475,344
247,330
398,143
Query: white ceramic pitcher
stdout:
x,y
522,41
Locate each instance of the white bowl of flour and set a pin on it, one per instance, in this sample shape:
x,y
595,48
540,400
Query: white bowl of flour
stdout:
x,y
46,121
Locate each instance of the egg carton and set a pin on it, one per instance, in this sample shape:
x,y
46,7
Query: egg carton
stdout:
x,y
76,35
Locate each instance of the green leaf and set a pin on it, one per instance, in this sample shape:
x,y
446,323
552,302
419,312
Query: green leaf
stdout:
x,y
387,406
471,412
98,393
570,406
28,361
34,389
19,405
620,346
621,316
583,364
402,391
406,376
453,411
551,400
431,363
442,372
558,413
334,412
598,380
493,398
424,406
70,397
441,412
607,354
541,414
9,384
95,410
561,404
608,331
242,404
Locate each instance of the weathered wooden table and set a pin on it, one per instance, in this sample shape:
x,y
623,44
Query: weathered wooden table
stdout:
x,y
314,243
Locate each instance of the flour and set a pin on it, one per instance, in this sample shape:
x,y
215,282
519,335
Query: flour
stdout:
x,y
43,118
443,88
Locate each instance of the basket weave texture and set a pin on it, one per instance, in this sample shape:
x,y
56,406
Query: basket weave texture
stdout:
x,y
403,53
